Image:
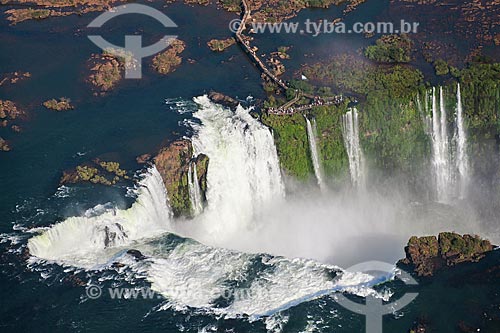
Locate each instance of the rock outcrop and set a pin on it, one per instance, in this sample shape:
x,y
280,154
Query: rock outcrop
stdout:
x,y
97,172
4,146
61,104
222,99
167,61
219,45
428,254
173,163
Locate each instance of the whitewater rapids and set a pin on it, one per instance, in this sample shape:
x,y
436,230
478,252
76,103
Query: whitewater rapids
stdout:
x,y
246,215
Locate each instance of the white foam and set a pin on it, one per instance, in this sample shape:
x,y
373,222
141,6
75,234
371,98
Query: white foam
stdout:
x,y
88,240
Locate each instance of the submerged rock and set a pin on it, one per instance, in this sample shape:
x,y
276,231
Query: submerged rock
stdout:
x,y
136,254
429,254
4,146
172,163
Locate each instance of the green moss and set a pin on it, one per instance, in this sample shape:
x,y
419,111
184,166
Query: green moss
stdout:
x,y
390,48
441,67
330,140
290,134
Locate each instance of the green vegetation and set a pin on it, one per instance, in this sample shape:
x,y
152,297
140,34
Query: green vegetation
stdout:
x,y
392,133
330,141
390,48
231,5
99,172
462,247
441,67
219,45
481,98
291,142
168,61
356,75
293,146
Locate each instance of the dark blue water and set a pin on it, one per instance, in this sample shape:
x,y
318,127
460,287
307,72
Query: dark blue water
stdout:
x,y
130,121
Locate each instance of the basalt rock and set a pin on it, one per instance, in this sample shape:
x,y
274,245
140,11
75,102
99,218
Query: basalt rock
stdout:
x,y
222,99
173,163
428,254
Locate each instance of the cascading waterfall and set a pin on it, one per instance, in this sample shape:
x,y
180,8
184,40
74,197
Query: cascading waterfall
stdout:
x,y
194,189
462,160
311,134
350,129
450,169
440,151
244,174
81,240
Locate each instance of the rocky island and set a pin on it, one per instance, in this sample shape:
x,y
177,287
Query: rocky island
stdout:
x,y
62,104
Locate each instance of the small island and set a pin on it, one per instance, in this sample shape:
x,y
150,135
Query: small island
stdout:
x,y
96,172
62,104
168,61
219,45
106,70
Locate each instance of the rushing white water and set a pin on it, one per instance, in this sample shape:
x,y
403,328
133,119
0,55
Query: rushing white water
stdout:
x,y
462,160
311,135
244,198
450,169
81,241
194,189
244,175
350,127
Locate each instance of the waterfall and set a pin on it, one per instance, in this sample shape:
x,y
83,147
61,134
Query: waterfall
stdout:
x,y
462,161
311,134
81,240
194,190
450,170
244,174
243,177
350,129
440,151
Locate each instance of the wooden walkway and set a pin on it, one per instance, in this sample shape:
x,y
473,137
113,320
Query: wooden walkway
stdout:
x,y
288,107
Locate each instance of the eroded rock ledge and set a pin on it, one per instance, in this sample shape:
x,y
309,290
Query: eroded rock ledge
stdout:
x,y
429,254
173,164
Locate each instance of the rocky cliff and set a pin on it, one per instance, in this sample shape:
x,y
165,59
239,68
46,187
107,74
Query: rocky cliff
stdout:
x,y
173,164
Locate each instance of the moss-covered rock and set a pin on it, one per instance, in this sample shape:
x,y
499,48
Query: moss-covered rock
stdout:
x,y
97,172
219,45
168,61
173,163
429,254
106,70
